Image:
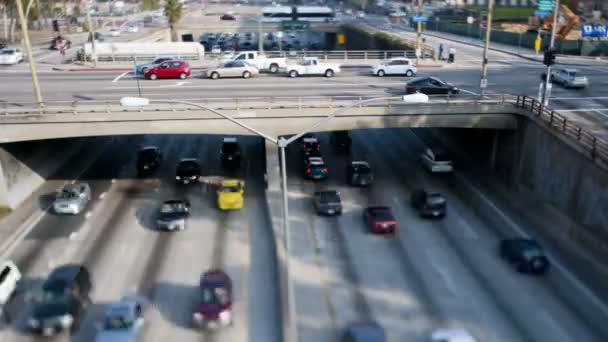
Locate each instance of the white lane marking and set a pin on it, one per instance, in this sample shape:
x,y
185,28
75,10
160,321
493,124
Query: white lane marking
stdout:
x,y
73,236
87,215
468,92
571,277
120,76
113,180
580,98
601,113
102,195
469,231
579,110
449,282
179,84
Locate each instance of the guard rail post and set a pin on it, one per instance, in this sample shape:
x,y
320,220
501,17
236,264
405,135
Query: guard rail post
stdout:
x,y
578,133
73,105
365,55
551,119
385,54
5,108
236,99
345,55
564,124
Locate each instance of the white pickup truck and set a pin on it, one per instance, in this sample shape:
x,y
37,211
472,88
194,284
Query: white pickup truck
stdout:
x,y
259,61
312,66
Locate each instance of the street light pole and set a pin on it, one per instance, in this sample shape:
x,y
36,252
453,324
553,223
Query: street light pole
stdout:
x,y
483,83
545,92
260,38
92,35
28,51
419,34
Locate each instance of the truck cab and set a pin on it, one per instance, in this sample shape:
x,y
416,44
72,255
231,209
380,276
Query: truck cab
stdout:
x,y
312,66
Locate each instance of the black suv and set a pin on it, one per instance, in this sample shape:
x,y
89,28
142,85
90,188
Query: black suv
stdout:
x,y
526,254
231,153
341,141
63,301
359,173
148,160
429,204
188,171
328,203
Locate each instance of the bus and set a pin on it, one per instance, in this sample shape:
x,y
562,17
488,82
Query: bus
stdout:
x,y
297,13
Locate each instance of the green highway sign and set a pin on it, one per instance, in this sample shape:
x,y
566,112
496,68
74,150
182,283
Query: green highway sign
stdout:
x,y
545,5
295,25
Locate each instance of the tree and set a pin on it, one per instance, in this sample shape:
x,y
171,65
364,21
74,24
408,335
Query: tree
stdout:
x,y
149,5
173,11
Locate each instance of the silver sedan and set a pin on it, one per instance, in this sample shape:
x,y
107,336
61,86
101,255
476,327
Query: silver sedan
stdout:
x,y
72,199
233,69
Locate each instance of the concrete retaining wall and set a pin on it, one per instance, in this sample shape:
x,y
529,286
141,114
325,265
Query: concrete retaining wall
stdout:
x,y
24,166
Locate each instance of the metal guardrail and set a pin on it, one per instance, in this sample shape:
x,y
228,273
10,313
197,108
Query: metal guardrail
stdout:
x,y
595,147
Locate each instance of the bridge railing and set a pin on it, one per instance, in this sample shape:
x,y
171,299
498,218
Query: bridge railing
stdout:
x,y
594,146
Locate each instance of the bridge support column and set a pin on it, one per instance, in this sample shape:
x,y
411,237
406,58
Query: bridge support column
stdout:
x,y
4,198
494,150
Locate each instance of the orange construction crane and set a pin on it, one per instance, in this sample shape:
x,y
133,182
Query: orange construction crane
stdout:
x,y
572,20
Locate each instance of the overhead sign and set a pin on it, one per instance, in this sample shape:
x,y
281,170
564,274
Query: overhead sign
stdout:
x,y
594,30
546,5
295,25
420,18
541,14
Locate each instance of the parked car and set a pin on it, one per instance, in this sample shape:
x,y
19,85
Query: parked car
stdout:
x,y
230,194
9,278
149,159
123,321
230,153
380,220
525,254
428,203
169,69
188,171
395,66
11,56
62,303
173,215
227,17
341,140
451,335
131,28
260,61
143,68
315,168
567,77
364,332
72,199
233,69
359,173
312,66
430,86
216,49
436,160
328,202
114,32
215,308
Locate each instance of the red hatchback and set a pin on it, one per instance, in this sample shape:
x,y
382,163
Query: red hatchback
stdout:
x,y
380,220
169,69
215,308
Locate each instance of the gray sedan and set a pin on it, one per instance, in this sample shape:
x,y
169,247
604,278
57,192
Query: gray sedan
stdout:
x,y
72,199
568,78
233,69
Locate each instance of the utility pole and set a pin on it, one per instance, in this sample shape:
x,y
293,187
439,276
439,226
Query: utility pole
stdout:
x,y
28,51
260,34
419,34
5,21
545,92
483,84
92,35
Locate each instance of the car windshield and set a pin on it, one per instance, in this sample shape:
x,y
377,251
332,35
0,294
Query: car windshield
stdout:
x,y
532,252
230,147
119,319
147,155
68,194
329,197
383,215
440,155
53,290
361,168
435,201
7,52
173,207
215,295
232,188
188,168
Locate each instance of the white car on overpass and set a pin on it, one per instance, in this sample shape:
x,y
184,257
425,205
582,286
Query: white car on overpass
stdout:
x,y
11,56
312,66
395,66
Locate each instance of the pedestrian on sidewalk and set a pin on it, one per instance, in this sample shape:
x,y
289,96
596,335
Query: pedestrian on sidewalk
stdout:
x,y
451,55
440,51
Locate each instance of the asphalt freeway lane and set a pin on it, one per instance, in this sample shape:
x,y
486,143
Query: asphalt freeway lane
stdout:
x,y
127,255
435,273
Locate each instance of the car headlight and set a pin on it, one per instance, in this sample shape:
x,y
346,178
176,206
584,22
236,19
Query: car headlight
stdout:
x,y
66,320
225,316
197,316
34,323
178,177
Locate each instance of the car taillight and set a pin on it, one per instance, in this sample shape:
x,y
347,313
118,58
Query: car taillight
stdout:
x,y
325,169
319,147
411,87
308,170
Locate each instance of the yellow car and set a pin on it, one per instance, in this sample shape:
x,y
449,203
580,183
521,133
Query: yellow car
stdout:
x,y
230,194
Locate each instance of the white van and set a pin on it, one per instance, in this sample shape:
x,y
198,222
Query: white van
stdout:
x,y
9,277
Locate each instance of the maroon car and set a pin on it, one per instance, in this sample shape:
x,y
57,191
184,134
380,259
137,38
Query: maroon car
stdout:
x,y
380,220
169,69
215,308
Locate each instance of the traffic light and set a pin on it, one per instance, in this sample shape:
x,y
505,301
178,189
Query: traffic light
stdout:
x,y
549,58
55,25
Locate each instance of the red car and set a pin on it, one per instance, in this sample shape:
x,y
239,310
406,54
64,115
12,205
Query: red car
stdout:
x,y
380,220
215,308
169,69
